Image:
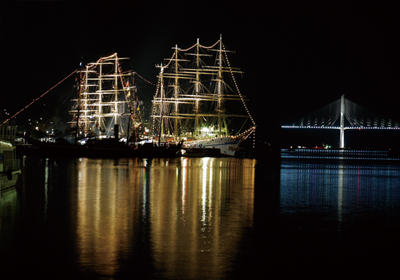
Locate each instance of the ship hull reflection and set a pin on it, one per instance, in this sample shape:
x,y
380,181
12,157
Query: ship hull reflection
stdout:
x,y
188,215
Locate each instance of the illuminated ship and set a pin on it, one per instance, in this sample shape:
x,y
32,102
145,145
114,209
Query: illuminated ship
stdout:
x,y
106,114
107,104
195,103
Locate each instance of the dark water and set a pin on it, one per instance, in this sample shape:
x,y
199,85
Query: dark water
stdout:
x,y
206,218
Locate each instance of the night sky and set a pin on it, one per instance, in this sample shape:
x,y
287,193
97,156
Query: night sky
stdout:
x,y
296,57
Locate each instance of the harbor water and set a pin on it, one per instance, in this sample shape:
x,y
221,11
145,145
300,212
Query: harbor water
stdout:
x,y
200,218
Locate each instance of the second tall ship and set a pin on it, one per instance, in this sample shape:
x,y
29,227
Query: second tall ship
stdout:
x,y
198,101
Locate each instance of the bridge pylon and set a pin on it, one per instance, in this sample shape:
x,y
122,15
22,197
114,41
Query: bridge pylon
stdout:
x,y
342,113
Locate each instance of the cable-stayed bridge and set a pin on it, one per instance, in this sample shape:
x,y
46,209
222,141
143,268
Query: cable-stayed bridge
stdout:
x,y
343,114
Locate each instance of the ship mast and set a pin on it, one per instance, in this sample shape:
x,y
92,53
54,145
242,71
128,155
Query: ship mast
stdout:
x,y
162,104
79,87
115,111
176,94
101,107
197,88
219,88
100,98
85,95
132,106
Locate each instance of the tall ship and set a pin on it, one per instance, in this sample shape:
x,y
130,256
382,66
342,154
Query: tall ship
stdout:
x,y
106,105
198,101
106,117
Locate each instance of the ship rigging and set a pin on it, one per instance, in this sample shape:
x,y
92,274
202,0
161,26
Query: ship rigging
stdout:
x,y
106,104
194,101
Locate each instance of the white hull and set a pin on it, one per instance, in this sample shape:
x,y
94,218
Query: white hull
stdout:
x,y
9,164
7,180
226,145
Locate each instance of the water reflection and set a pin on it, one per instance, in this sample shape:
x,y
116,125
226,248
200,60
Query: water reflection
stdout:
x,y
105,211
192,213
186,218
198,218
8,213
338,189
339,216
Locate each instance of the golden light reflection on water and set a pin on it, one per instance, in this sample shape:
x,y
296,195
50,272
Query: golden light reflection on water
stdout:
x,y
196,210
106,208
